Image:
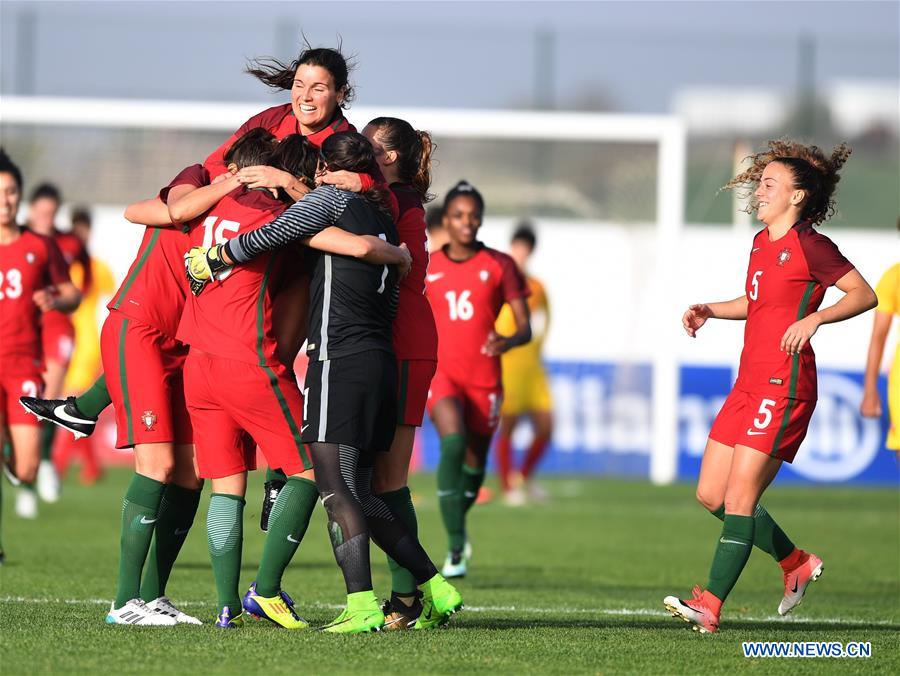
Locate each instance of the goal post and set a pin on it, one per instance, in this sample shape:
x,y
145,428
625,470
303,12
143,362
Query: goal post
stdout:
x,y
572,131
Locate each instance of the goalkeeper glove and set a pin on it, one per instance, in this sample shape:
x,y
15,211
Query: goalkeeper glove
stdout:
x,y
203,265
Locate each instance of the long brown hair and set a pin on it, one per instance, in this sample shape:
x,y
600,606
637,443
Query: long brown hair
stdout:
x,y
814,173
351,151
278,75
413,148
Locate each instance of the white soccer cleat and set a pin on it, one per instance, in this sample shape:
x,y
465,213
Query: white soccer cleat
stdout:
x,y
26,503
136,612
797,580
514,497
48,486
164,606
454,565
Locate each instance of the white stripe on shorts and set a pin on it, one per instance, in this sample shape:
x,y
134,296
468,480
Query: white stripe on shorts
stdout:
x,y
323,400
326,311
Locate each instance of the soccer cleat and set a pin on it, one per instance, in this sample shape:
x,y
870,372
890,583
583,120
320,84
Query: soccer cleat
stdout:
x,y
278,610
272,489
137,613
61,412
455,564
514,497
48,486
9,474
695,611
440,600
26,503
225,620
398,615
797,580
362,615
164,606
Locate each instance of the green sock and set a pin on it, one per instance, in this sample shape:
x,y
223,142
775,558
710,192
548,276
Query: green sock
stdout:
x,y
732,552
470,483
176,515
767,535
139,513
225,534
275,475
287,526
95,399
48,434
400,501
453,450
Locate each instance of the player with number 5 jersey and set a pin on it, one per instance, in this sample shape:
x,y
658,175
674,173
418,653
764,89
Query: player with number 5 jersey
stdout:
x,y
467,285
766,416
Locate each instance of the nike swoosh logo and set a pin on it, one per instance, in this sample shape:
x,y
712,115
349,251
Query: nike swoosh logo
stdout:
x,y
144,519
303,429
444,494
434,277
60,412
794,590
751,433
755,250
325,497
469,494
429,613
290,539
732,542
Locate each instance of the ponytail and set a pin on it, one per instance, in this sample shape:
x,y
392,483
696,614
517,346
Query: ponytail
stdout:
x,y
414,150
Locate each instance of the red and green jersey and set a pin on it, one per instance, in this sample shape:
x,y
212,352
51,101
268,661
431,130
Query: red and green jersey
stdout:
x,y
466,297
415,334
155,287
786,281
281,122
30,263
232,318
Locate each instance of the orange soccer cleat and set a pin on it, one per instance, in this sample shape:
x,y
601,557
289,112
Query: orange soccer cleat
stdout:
x,y
702,611
797,577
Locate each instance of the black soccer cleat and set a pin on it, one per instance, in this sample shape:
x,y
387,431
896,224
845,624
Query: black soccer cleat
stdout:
x,y
272,489
61,412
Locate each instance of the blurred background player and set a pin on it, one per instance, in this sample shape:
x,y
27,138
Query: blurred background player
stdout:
x,y
888,292
766,416
526,390
33,280
467,284
85,365
58,332
434,226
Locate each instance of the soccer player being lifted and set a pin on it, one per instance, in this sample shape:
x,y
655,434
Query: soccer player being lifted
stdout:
x,y
767,414
351,397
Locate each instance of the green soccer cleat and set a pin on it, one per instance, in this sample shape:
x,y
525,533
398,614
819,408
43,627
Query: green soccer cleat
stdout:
x,y
440,600
362,615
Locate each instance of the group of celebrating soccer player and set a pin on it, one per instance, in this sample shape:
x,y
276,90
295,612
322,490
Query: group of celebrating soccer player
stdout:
x,y
300,231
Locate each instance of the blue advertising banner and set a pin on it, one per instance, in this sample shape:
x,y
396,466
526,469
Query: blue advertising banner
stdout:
x,y
603,419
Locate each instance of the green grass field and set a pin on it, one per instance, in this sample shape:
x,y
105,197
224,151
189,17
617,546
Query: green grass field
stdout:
x,y
571,587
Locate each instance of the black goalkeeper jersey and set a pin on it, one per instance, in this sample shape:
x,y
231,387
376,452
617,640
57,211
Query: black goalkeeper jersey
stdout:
x,y
352,303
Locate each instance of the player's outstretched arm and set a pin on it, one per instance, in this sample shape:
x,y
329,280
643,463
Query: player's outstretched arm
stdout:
x,y
186,202
366,247
696,315
858,298
871,401
152,212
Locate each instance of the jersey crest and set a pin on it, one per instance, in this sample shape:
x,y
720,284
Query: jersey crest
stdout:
x,y
784,256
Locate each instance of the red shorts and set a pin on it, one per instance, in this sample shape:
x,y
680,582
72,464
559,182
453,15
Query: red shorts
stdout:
x,y
58,339
413,380
235,406
481,405
772,425
143,370
13,386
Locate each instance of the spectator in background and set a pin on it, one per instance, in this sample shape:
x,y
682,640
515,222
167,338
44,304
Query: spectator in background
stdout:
x,y
525,386
85,365
434,224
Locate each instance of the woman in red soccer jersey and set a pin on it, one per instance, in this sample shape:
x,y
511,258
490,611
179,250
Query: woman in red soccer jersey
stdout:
x,y
33,280
467,285
404,158
766,416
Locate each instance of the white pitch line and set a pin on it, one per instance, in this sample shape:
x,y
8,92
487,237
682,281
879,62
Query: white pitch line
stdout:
x,y
529,610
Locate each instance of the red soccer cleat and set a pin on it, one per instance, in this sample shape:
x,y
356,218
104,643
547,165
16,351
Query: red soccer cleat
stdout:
x,y
798,578
702,611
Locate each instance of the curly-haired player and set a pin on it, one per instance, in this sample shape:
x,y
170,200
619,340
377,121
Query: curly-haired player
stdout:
x,y
766,415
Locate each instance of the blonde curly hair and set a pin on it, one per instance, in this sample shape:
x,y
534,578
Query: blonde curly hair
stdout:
x,y
814,173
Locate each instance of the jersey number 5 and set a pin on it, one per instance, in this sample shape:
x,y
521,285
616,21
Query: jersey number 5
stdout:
x,y
460,306
754,292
